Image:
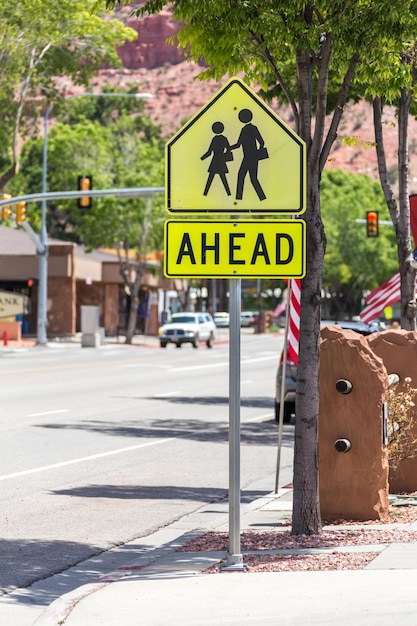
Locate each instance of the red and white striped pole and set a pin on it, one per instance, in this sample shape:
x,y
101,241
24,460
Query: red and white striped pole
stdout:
x,y
294,322
290,353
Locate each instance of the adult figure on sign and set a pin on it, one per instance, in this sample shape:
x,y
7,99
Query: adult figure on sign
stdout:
x,y
254,150
220,149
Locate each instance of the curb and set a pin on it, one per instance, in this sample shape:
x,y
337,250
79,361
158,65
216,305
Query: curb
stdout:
x,y
61,608
164,558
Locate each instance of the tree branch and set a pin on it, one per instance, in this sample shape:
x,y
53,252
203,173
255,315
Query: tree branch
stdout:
x,y
338,112
304,95
8,175
322,88
266,55
382,162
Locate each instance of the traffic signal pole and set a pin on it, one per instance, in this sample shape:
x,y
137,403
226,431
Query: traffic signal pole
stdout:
x,y
41,241
122,192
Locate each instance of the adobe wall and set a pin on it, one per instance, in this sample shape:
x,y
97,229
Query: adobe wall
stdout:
x,y
61,290
61,306
111,309
152,323
13,330
353,484
90,295
398,350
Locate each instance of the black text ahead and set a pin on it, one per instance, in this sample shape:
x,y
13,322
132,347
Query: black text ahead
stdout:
x,y
235,249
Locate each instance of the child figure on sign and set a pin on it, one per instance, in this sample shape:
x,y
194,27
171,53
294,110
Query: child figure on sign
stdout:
x,y
220,149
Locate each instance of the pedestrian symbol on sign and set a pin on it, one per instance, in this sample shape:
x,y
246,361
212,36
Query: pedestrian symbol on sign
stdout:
x,y
252,143
221,151
253,149
235,153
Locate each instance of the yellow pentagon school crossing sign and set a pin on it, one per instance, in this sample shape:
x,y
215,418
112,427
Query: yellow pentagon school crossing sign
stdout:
x,y
235,156
234,249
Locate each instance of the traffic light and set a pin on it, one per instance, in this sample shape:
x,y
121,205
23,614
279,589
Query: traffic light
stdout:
x,y
6,210
85,183
20,212
372,224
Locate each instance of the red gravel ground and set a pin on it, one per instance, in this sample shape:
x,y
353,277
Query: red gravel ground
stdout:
x,y
357,534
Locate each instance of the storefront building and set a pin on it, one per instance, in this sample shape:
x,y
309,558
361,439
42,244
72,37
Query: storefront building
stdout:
x,y
76,278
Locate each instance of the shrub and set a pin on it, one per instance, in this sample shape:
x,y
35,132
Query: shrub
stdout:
x,y
402,438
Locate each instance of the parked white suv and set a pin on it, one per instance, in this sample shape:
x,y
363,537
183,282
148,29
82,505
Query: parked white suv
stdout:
x,y
188,328
249,319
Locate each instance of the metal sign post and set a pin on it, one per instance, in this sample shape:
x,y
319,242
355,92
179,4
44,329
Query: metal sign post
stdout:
x,y
234,559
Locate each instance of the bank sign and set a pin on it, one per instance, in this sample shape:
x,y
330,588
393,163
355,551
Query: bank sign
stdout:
x,y
231,249
12,304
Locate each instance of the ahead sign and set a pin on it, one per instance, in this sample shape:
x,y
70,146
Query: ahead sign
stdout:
x,y
228,249
235,156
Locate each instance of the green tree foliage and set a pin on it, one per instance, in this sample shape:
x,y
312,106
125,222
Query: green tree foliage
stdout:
x,y
393,82
41,41
353,262
295,48
106,139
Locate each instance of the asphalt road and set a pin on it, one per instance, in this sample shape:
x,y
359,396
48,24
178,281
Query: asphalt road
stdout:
x,y
101,446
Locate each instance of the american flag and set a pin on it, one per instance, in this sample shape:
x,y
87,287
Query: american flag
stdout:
x,y
381,297
390,292
294,327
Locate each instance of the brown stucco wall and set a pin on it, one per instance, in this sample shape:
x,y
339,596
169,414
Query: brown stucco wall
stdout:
x,y
61,290
111,309
152,324
90,295
61,306
353,485
106,297
398,350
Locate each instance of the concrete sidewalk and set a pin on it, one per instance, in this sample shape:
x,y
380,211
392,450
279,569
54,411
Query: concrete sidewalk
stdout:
x,y
378,598
26,343
138,340
163,585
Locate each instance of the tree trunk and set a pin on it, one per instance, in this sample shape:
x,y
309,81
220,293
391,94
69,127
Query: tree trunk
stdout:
x,y
132,287
133,315
407,272
306,504
400,213
134,301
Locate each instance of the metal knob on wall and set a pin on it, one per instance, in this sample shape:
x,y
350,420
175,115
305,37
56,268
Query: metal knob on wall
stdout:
x,y
342,445
343,385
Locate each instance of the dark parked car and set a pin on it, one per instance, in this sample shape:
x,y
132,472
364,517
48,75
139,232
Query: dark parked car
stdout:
x,y
291,370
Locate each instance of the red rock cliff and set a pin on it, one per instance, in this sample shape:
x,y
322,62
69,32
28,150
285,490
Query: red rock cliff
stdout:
x,y
150,48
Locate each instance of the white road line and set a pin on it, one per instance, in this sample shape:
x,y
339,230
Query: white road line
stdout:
x,y
223,364
48,413
199,367
262,358
148,365
84,459
259,418
167,394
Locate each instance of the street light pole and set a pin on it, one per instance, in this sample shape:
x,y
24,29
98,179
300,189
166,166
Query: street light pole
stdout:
x,y
43,253
42,338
